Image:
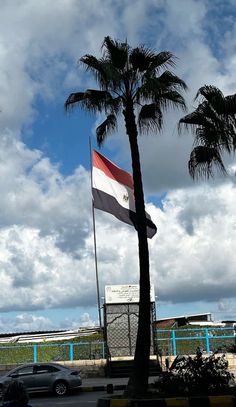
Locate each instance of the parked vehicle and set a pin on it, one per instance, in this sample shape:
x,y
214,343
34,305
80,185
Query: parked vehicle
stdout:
x,y
39,377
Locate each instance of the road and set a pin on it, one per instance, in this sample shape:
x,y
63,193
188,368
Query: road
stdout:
x,y
84,399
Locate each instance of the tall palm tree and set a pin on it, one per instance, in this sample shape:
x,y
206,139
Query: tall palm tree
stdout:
x,y
214,126
133,81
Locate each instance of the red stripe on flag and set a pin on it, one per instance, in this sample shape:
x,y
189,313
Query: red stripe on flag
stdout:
x,y
111,170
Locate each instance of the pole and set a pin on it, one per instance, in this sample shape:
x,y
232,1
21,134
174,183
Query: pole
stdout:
x,y
95,242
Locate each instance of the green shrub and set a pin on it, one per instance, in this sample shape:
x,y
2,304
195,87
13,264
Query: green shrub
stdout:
x,y
196,375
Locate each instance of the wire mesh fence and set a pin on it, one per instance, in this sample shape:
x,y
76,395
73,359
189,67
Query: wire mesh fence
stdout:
x,y
121,326
14,354
186,341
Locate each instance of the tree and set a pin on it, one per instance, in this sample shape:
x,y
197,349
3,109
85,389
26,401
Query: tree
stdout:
x,y
214,126
133,81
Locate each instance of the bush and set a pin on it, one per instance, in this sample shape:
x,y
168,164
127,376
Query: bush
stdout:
x,y
196,375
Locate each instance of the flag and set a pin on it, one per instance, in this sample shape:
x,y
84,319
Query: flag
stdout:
x,y
113,192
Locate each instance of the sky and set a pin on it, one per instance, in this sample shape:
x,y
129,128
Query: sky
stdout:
x,y
47,267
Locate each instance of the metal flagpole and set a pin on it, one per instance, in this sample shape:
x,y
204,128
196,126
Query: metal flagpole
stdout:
x,y
94,239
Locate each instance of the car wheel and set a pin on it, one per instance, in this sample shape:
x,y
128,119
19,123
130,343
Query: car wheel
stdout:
x,y
60,388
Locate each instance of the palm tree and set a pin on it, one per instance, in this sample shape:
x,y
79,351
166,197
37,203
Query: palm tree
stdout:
x,y
133,81
214,125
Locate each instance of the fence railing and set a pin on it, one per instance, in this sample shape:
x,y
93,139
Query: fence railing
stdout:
x,y
166,342
186,341
11,354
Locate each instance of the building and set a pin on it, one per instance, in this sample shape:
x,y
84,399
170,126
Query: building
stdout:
x,y
183,320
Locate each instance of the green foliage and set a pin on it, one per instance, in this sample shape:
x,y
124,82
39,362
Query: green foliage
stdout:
x,y
213,123
188,338
127,76
15,354
90,347
197,375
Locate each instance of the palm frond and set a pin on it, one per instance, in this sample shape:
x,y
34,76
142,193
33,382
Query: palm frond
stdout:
x,y
93,65
162,60
172,99
210,93
128,78
116,52
73,99
202,160
203,115
150,118
192,119
103,71
159,87
211,129
102,131
93,101
141,58
169,80
222,104
230,104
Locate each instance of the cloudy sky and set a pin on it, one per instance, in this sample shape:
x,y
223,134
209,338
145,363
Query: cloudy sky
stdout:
x,y
46,242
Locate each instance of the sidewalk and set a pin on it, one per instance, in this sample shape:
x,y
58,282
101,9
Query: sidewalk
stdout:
x,y
100,383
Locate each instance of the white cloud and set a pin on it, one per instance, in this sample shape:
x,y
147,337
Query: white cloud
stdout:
x,y
194,252
46,242
24,322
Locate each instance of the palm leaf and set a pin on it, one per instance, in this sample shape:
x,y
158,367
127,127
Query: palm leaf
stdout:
x,y
202,160
230,104
141,58
211,93
73,99
162,60
93,100
155,88
104,72
150,117
97,100
211,128
192,119
116,52
222,104
95,66
169,80
105,128
172,99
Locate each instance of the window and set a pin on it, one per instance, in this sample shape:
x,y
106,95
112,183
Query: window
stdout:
x,y
46,369
24,371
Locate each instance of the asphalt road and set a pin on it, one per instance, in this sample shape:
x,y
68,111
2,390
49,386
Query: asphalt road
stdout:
x,y
84,399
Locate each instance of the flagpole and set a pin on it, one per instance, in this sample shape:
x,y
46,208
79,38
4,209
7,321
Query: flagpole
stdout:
x,y
94,239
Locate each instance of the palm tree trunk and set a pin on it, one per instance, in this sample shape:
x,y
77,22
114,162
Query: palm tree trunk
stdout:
x,y
138,381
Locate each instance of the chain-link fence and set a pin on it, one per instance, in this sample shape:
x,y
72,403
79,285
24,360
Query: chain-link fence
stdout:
x,y
186,341
121,325
56,352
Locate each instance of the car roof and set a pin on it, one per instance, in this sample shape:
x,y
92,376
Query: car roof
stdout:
x,y
40,364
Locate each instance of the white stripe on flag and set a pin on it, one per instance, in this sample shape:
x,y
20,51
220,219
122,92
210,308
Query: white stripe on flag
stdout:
x,y
123,194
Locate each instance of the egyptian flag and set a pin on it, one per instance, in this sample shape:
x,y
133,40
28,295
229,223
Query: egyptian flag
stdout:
x,y
113,192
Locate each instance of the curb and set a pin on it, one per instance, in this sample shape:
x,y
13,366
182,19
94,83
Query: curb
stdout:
x,y
210,401
105,387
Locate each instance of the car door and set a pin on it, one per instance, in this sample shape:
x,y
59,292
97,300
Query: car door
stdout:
x,y
26,375
43,376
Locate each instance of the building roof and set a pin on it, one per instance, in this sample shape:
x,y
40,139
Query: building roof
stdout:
x,y
46,336
207,314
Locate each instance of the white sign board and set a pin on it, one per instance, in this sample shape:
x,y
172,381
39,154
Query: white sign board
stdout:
x,y
126,293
